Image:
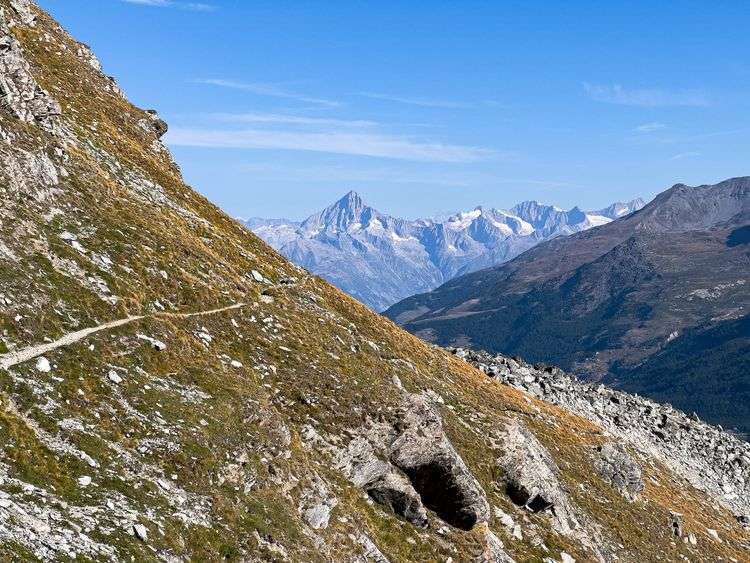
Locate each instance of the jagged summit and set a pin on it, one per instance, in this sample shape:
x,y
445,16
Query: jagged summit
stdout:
x,y
380,259
349,211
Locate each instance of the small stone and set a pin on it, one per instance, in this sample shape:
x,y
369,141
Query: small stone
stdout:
x,y
156,344
714,534
140,532
84,481
257,276
43,365
113,377
5,503
566,558
676,524
235,364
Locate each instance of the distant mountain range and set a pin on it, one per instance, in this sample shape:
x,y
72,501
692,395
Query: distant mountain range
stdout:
x,y
657,303
381,259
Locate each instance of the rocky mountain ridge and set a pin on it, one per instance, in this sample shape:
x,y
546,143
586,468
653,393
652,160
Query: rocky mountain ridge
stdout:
x,y
655,303
172,389
709,457
381,259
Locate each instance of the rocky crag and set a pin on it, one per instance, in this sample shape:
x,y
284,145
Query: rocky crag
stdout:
x,y
172,389
713,460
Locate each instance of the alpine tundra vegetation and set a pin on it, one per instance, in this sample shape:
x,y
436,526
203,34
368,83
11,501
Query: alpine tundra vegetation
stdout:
x,y
172,389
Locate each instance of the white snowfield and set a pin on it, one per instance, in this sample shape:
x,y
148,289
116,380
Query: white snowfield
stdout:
x,y
16,357
381,259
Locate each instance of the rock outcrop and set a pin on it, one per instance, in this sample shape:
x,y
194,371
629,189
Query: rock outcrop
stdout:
x,y
710,458
19,90
410,466
436,471
619,469
532,479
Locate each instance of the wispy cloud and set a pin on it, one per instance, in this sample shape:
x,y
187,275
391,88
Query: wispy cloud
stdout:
x,y
646,97
650,127
423,102
682,155
363,144
271,90
259,117
192,6
407,174
342,173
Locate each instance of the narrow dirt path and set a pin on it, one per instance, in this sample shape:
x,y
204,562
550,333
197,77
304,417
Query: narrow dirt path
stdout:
x,y
11,359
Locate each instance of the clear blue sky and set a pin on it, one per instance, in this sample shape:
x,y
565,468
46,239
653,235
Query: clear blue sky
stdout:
x,y
278,108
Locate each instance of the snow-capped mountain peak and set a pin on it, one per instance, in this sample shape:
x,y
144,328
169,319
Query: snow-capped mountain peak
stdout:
x,y
381,259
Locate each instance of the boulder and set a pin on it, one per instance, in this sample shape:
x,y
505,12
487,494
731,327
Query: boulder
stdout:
x,y
436,471
619,469
392,490
158,125
675,524
379,479
531,478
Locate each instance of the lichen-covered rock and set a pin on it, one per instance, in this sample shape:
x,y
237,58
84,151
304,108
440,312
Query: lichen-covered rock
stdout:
x,y
619,469
532,478
24,11
494,550
411,465
532,481
394,491
436,471
19,90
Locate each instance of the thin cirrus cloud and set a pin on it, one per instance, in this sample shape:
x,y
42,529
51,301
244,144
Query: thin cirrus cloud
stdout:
x,y
650,127
270,90
422,102
191,6
645,97
336,142
684,155
259,117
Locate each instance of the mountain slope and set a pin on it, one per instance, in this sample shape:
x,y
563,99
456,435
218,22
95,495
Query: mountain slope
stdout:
x,y
607,301
381,259
173,389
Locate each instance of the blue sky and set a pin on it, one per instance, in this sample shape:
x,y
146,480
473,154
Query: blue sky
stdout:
x,y
276,109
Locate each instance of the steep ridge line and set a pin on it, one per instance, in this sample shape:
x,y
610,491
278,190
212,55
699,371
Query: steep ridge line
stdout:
x,y
11,359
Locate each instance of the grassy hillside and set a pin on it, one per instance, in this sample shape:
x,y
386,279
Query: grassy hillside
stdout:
x,y
217,439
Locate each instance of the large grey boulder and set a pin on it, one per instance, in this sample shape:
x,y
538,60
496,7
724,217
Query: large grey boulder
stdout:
x,y
392,490
408,465
620,470
531,478
424,453
379,479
